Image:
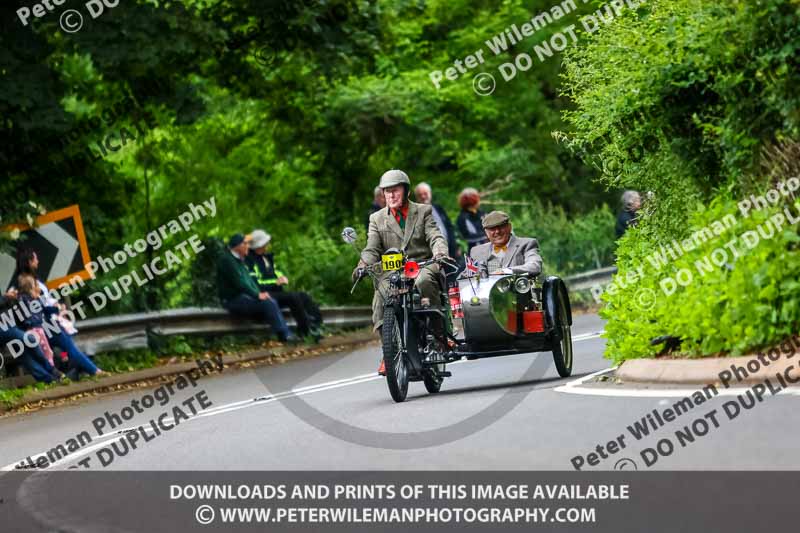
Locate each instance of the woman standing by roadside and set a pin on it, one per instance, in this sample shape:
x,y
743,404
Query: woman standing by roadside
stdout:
x,y
631,203
469,220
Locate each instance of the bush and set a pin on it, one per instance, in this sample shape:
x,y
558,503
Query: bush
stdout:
x,y
732,293
678,99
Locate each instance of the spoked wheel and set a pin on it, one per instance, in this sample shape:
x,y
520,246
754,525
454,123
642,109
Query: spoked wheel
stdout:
x,y
433,383
396,367
432,378
562,352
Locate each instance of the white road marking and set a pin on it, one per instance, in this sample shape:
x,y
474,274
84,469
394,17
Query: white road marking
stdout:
x,y
586,336
119,434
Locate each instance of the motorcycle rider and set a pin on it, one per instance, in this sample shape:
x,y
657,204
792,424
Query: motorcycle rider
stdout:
x,y
505,251
407,226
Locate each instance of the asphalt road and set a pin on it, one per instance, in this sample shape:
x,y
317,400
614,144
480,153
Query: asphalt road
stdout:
x,y
501,413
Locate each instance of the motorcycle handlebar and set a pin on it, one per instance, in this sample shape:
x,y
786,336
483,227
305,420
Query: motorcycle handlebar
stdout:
x,y
446,260
369,269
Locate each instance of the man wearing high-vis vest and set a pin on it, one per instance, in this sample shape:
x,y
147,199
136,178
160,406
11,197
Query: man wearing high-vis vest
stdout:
x,y
261,265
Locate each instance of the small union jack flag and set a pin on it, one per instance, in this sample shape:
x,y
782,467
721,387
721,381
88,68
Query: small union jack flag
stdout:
x,y
471,266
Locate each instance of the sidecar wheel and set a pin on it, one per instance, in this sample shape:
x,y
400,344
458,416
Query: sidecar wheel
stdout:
x,y
396,367
562,351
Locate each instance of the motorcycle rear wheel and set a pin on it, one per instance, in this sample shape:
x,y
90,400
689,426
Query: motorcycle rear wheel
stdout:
x,y
433,384
396,366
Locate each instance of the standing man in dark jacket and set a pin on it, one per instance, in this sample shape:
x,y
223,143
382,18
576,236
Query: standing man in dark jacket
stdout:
x,y
240,295
424,195
378,203
261,264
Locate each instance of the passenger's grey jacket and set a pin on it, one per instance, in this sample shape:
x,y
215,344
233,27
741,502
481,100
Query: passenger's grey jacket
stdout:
x,y
522,255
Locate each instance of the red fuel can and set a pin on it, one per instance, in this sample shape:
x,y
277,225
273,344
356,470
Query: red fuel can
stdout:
x,y
455,302
533,321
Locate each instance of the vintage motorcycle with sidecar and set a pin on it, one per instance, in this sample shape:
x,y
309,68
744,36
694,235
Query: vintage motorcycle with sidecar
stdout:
x,y
480,314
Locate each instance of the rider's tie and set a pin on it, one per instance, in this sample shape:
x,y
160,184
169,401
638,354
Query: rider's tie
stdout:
x,y
400,217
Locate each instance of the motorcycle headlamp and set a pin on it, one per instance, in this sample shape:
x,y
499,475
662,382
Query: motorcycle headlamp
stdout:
x,y
522,285
504,285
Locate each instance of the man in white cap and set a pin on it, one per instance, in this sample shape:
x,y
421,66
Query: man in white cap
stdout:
x,y
261,264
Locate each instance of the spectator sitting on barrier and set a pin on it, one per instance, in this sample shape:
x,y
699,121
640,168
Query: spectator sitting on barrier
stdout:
x,y
31,358
28,263
78,362
28,292
261,263
240,294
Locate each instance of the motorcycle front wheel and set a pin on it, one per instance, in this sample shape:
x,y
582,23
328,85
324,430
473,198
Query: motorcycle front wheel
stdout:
x,y
395,363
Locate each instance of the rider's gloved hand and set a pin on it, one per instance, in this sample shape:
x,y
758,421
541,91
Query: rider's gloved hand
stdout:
x,y
442,257
358,273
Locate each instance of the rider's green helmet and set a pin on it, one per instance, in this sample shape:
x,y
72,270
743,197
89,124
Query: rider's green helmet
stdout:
x,y
394,177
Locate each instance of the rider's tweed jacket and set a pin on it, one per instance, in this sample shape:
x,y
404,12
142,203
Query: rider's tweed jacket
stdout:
x,y
421,238
522,254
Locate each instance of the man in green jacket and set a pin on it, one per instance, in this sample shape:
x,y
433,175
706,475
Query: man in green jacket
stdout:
x,y
241,296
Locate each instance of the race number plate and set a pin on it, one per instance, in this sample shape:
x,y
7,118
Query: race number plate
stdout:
x,y
392,262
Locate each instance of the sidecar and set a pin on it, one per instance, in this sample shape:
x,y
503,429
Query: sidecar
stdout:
x,y
506,314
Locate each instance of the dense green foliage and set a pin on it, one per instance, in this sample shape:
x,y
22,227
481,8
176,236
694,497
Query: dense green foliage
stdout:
x,y
735,291
681,99
287,113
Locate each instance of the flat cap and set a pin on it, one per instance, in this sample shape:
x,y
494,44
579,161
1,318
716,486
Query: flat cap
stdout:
x,y
236,239
495,218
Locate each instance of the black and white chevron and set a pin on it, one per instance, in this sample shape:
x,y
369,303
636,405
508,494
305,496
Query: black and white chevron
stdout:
x,y
56,244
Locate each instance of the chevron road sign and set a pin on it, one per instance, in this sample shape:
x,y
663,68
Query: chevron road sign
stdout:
x,y
60,244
